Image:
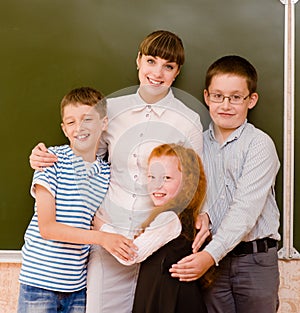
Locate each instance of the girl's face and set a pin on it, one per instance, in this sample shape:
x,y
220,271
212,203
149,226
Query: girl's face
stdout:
x,y
83,126
156,76
164,179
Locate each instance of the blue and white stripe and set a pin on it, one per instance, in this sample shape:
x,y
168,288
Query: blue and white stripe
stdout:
x,y
78,193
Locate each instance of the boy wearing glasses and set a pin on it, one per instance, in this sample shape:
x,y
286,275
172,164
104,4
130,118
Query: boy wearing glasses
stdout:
x,y
241,166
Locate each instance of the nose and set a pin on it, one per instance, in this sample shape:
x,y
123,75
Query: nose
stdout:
x,y
157,70
226,103
156,184
78,126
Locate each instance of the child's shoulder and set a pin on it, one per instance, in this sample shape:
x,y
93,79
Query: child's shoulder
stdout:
x,y
103,163
60,150
255,133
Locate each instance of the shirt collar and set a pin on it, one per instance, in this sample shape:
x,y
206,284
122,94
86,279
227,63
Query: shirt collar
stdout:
x,y
79,165
233,136
158,108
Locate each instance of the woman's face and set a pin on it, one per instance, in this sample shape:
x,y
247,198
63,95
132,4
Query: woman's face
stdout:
x,y
156,76
164,179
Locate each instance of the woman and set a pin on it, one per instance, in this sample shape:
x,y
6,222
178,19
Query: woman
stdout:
x,y
137,123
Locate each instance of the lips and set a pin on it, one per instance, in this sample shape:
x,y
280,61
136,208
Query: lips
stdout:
x,y
158,195
154,82
82,137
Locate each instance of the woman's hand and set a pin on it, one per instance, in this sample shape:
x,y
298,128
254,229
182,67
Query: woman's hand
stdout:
x,y
40,157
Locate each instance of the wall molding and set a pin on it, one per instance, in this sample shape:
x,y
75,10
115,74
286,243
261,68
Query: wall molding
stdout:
x,y
10,256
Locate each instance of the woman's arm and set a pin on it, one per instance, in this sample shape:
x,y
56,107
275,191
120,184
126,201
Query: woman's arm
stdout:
x,y
40,157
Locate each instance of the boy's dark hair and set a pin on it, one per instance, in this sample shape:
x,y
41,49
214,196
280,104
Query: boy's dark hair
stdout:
x,y
87,96
163,44
236,65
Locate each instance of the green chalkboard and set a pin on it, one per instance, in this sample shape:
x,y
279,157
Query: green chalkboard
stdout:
x,y
49,47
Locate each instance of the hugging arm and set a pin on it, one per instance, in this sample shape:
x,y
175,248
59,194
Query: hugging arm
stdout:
x,y
40,157
165,227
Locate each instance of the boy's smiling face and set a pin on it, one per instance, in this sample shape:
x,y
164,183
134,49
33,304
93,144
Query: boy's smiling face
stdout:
x,y
228,117
83,127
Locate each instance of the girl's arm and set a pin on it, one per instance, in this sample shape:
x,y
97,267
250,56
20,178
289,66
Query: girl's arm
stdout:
x,y
165,227
50,229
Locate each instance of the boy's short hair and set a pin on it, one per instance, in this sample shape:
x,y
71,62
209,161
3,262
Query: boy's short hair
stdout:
x,y
87,96
163,44
236,65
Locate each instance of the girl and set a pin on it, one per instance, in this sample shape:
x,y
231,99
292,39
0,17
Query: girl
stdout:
x,y
177,187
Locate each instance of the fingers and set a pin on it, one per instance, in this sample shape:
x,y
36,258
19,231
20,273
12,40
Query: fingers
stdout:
x,y
41,146
126,250
40,157
184,273
200,239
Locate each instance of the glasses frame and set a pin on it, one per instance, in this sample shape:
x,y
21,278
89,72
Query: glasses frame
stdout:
x,y
228,97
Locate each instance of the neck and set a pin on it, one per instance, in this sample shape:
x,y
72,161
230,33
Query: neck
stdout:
x,y
150,95
88,156
222,134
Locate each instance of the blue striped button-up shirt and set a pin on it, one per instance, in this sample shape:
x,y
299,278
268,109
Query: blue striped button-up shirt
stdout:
x,y
241,175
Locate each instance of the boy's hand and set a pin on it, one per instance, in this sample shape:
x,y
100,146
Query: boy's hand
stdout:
x,y
119,246
40,157
192,266
202,224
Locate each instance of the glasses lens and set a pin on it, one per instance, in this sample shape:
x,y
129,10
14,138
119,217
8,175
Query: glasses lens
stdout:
x,y
236,99
215,97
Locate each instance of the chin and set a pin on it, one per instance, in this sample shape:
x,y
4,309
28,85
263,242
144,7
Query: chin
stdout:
x,y
159,203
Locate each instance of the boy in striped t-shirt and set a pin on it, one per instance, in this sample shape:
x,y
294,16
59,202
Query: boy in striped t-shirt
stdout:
x,y
67,194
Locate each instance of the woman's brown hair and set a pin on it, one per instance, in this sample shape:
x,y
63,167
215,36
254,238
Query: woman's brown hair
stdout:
x,y
163,44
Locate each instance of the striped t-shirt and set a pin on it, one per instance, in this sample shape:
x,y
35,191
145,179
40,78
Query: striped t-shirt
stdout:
x,y
78,192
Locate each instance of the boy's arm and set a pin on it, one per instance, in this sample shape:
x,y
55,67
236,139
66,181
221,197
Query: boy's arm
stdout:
x,y
192,266
259,173
253,187
40,157
52,230
165,227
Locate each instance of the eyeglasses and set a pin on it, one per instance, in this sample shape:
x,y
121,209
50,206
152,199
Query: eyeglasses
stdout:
x,y
233,99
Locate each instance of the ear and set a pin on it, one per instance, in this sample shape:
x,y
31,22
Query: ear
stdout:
x,y
104,123
178,71
253,98
138,58
205,95
64,129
